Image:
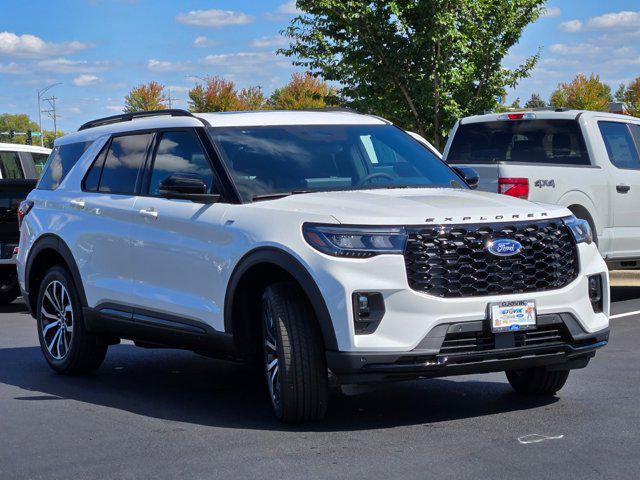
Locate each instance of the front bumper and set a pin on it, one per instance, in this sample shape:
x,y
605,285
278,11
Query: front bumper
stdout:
x,y
560,343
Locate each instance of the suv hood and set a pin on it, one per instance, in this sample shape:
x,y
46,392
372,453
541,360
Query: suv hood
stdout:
x,y
415,206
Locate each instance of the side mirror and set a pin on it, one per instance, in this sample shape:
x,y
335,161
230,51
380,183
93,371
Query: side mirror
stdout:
x,y
469,175
186,186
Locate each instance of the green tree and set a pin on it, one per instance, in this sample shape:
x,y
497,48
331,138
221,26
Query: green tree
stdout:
x,y
630,96
303,92
18,122
421,63
145,97
583,93
536,101
217,94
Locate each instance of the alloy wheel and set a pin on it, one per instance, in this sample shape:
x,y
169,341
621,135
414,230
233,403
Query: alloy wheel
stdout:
x,y
271,359
57,320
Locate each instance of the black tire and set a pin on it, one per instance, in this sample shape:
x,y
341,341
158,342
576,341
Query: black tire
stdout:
x,y
76,351
9,289
298,391
537,381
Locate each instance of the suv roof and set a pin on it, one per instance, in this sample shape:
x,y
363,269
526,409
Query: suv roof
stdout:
x,y
177,118
545,115
17,147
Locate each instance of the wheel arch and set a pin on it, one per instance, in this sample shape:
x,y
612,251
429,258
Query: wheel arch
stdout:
x,y
252,273
47,251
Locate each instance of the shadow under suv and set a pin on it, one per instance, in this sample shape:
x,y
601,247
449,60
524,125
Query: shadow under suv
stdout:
x,y
332,246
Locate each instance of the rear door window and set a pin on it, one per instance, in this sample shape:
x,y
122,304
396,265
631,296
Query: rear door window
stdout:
x,y
10,165
620,144
61,161
122,163
520,141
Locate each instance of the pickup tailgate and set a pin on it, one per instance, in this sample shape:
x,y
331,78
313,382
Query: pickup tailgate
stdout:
x,y
489,174
12,192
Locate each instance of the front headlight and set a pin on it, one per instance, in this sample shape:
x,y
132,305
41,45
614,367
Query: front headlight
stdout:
x,y
580,229
355,242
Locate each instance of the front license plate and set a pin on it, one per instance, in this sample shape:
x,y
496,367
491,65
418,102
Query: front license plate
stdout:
x,y
513,316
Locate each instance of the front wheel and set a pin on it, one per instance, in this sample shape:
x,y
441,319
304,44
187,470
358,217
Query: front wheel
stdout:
x,y
295,366
537,381
66,344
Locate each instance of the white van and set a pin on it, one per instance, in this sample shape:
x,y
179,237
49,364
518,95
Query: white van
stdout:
x,y
586,161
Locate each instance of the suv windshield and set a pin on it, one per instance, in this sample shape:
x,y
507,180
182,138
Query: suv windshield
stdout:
x,y
525,141
285,159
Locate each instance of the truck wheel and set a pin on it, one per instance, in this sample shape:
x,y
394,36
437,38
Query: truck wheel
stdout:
x,y
65,342
537,381
295,365
9,289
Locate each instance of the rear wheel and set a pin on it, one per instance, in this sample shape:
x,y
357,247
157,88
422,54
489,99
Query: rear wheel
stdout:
x,y
66,344
537,381
295,366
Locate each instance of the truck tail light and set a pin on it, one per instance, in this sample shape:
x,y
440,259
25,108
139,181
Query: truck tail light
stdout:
x,y
514,187
23,209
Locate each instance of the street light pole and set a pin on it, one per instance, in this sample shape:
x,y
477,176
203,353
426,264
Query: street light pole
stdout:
x,y
40,93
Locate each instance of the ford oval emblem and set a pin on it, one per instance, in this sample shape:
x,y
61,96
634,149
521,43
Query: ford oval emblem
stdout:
x,y
504,247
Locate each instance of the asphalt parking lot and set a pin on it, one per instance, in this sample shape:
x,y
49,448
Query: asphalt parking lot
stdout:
x,y
171,414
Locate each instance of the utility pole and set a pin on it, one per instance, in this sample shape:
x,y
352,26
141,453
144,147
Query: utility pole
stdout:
x,y
170,98
40,93
52,113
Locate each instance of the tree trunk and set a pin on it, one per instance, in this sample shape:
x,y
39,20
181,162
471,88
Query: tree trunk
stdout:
x,y
436,99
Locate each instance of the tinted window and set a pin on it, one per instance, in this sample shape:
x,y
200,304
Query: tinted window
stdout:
x,y
179,152
92,178
124,158
528,141
61,161
620,145
39,161
266,160
10,165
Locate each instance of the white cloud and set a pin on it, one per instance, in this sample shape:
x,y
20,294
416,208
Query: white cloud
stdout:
x,y
28,45
275,41
115,108
12,68
85,80
552,12
75,110
575,49
213,18
178,89
165,66
571,26
289,8
203,42
64,65
616,20
245,64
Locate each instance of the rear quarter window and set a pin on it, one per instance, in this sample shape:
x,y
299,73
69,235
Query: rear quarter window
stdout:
x,y
61,161
620,144
520,141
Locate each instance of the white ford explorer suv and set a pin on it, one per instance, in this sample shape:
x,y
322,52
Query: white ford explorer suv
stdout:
x,y
586,161
332,246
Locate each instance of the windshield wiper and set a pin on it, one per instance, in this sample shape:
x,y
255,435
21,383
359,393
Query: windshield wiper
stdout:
x,y
276,195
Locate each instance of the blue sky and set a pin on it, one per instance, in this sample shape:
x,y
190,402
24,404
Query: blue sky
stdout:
x,y
99,49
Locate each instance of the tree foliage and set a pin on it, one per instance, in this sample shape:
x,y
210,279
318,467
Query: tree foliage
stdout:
x,y
536,101
145,97
630,96
217,94
583,93
304,91
421,63
19,122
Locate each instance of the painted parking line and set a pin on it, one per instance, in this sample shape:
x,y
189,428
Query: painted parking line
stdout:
x,y
628,314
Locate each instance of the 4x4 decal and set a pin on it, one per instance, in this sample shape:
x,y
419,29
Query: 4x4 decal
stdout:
x,y
545,183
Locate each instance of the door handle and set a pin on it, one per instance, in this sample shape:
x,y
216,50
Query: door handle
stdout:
x,y
77,204
623,188
149,213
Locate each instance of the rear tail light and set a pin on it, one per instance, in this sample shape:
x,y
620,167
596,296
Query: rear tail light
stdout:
x,y
514,187
23,209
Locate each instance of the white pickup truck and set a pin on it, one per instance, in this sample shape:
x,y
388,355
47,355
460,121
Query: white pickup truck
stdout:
x,y
586,161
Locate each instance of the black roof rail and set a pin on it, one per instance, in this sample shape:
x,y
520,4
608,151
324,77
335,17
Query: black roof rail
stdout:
x,y
127,117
